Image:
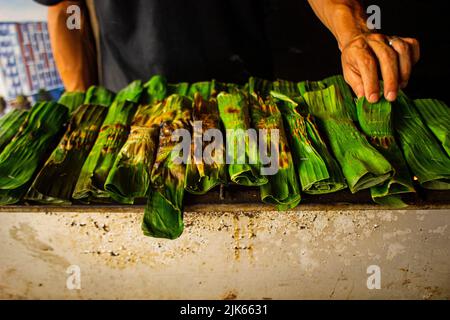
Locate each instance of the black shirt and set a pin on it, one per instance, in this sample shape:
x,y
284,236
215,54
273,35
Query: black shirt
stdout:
x,y
184,40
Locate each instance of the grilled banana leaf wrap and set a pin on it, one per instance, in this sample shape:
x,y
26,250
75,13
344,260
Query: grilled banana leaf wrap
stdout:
x,y
423,153
244,167
10,124
376,122
129,178
56,180
362,165
436,115
318,170
206,168
113,134
259,86
22,157
163,217
282,189
72,100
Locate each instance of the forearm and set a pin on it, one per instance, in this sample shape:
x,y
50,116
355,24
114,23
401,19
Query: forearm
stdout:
x,y
344,18
74,50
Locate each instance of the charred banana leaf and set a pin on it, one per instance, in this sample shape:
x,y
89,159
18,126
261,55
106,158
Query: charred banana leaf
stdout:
x,y
426,158
317,169
241,145
113,134
21,158
282,189
56,181
375,121
362,165
10,124
163,216
206,168
129,178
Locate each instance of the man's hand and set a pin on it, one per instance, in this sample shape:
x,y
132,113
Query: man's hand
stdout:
x,y
365,55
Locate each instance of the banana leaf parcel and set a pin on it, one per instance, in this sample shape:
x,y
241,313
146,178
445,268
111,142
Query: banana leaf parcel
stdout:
x,y
129,178
362,165
244,167
282,188
346,92
21,158
113,134
56,181
261,87
72,100
423,153
436,115
317,169
10,124
376,122
163,216
206,170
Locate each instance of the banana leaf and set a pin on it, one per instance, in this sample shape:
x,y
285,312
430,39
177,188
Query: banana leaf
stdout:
x,y
287,88
10,124
56,181
72,100
318,171
129,177
362,165
243,165
206,89
163,217
375,121
436,115
282,188
259,86
21,158
113,134
346,92
200,176
423,153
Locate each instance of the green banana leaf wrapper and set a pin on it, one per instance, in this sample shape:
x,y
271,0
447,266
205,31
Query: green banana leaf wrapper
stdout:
x,y
318,170
362,165
423,153
244,168
346,92
10,124
202,176
376,122
129,177
282,189
436,115
113,134
56,180
72,100
21,158
163,217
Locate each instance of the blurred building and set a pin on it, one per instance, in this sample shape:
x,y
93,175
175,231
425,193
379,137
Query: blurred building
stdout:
x,y
26,60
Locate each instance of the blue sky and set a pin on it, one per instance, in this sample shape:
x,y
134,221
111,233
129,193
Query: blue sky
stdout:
x,y
22,10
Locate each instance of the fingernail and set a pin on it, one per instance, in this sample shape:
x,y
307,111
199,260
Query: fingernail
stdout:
x,y
373,97
391,96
